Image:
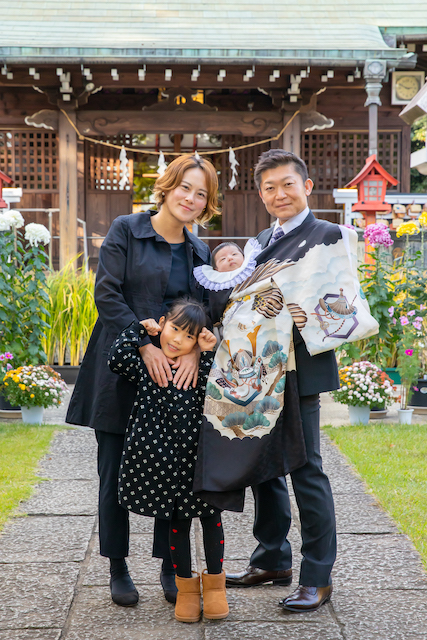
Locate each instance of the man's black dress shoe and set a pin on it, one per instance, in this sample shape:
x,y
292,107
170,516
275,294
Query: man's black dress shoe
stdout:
x,y
167,580
253,576
306,599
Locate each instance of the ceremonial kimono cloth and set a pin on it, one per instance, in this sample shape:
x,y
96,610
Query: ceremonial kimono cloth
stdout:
x,y
157,467
247,436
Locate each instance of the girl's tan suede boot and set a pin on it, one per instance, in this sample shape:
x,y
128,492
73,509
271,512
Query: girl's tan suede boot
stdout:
x,y
187,608
215,604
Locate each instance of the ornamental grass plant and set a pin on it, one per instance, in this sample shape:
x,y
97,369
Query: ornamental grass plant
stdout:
x,y
33,386
364,384
72,314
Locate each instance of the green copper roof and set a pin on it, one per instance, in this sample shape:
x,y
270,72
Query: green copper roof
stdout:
x,y
224,30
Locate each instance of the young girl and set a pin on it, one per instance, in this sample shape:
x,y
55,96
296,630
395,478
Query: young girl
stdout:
x,y
157,468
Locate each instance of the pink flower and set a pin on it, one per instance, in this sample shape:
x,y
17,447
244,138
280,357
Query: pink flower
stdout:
x,y
409,352
411,313
394,321
390,311
415,388
378,235
404,320
418,326
8,355
2,357
422,307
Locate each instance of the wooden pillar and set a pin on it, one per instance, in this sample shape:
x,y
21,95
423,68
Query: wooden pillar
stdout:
x,y
405,161
68,200
292,135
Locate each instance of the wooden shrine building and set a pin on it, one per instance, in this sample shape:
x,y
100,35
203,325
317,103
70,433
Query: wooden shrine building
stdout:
x,y
185,77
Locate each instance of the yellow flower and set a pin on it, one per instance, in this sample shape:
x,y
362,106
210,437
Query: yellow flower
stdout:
x,y
407,228
6,384
422,220
22,386
32,395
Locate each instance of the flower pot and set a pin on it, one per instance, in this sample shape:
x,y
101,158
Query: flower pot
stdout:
x,y
419,398
32,415
67,372
359,414
393,373
7,410
405,415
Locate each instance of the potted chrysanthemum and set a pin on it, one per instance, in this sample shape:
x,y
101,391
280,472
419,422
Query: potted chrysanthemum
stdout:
x,y
363,384
33,388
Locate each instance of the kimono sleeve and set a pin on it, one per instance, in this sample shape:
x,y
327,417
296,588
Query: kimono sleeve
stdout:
x,y
124,357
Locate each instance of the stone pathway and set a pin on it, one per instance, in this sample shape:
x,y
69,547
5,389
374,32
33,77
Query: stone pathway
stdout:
x,y
54,584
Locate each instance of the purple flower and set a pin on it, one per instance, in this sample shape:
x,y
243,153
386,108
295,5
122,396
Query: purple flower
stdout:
x,y
394,321
404,320
8,355
390,311
415,388
2,357
411,313
409,352
378,235
418,326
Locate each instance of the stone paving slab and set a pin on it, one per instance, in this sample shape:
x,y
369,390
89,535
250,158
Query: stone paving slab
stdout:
x,y
69,467
30,634
36,594
361,513
271,630
394,615
153,618
63,497
46,539
378,562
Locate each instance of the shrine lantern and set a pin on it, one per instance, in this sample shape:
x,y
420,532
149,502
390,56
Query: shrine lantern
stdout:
x,y
371,183
4,178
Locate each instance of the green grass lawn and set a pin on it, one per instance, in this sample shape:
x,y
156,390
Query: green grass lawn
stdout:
x,y
392,459
21,447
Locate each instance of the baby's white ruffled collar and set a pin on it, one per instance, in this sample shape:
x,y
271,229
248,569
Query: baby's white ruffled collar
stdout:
x,y
217,281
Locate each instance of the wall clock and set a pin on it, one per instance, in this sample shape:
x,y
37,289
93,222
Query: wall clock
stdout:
x,y
405,85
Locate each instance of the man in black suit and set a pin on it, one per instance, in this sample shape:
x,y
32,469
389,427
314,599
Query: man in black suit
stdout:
x,y
284,186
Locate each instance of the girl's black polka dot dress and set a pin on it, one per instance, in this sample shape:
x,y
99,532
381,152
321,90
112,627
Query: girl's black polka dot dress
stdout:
x,y
157,467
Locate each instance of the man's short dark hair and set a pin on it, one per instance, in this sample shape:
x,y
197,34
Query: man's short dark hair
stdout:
x,y
276,158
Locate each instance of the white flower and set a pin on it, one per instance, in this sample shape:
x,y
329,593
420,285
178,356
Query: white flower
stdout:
x,y
36,233
16,219
5,222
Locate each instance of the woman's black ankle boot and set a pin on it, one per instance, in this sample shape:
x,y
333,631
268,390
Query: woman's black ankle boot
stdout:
x,y
167,580
123,591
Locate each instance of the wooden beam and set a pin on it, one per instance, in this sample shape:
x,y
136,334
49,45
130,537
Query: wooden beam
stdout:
x,y
102,123
68,201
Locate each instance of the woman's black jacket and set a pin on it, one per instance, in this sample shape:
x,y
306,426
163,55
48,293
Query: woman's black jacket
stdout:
x,y
132,277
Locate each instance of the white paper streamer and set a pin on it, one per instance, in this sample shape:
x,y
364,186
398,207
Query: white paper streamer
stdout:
x,y
196,155
161,165
233,165
124,169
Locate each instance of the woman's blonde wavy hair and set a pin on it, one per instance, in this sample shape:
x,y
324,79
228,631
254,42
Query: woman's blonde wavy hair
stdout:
x,y
172,178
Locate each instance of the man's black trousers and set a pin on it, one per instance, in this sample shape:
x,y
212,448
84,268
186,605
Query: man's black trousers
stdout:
x,y
316,509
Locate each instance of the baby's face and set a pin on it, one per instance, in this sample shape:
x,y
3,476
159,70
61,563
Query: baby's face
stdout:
x,y
228,259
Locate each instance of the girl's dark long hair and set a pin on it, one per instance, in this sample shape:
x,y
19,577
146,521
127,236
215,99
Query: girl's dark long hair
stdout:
x,y
188,314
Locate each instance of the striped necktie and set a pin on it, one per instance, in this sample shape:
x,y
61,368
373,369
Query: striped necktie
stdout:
x,y
279,233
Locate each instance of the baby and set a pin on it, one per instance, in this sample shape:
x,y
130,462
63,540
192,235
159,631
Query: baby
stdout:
x,y
228,256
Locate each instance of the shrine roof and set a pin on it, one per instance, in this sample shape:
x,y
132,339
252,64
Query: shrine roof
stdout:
x,y
177,30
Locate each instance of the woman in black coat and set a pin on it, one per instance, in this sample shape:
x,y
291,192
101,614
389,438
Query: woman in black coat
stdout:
x,y
145,261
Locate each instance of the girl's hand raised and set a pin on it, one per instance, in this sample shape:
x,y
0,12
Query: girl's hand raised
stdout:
x,y
206,340
151,326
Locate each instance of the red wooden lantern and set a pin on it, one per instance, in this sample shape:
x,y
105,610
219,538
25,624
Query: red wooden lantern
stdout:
x,y
371,183
4,178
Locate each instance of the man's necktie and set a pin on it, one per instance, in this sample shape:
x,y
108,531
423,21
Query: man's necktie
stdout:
x,y
279,233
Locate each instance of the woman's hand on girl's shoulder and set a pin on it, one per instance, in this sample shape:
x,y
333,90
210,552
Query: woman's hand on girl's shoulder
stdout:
x,y
206,340
187,369
158,365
